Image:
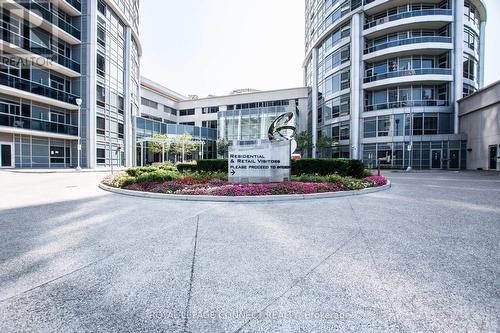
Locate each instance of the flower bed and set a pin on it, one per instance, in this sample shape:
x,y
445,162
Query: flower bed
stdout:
x,y
215,184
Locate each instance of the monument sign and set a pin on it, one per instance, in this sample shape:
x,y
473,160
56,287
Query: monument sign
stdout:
x,y
267,160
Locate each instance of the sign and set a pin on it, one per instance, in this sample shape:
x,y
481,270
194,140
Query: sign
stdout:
x,y
260,163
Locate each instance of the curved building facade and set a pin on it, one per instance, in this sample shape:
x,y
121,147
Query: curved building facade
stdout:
x,y
386,77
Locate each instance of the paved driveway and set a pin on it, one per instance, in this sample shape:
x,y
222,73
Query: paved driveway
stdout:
x,y
423,256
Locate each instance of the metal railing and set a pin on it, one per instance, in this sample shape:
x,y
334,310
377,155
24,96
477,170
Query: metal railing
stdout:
x,y
415,13
36,88
50,16
409,72
76,4
37,124
407,41
39,49
406,104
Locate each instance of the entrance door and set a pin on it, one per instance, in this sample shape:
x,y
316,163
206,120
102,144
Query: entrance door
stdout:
x,y
6,155
454,159
493,157
436,159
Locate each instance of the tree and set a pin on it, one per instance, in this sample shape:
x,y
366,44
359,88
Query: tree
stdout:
x,y
223,147
156,147
323,143
304,142
183,145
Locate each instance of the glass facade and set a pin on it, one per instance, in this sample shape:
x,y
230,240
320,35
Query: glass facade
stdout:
x,y
247,124
147,128
41,69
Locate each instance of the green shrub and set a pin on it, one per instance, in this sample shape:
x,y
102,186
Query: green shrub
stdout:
x,y
124,181
135,172
367,173
355,168
327,166
183,167
168,166
317,179
212,166
319,166
205,175
156,176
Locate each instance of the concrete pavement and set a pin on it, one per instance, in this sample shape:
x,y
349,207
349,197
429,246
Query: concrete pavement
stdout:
x,y
423,256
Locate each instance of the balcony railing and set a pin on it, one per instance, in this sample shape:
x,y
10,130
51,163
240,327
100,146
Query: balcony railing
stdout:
x,y
50,16
37,124
416,13
36,88
411,72
39,49
407,41
406,104
76,4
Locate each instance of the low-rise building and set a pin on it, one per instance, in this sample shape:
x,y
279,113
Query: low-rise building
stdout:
x,y
242,115
480,120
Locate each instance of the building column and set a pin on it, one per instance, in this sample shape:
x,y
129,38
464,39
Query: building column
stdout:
x,y
314,64
356,84
88,80
128,138
482,36
457,59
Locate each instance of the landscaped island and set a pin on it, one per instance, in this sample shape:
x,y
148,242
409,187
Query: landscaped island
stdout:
x,y
209,177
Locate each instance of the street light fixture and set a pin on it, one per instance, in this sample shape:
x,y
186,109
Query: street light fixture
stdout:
x,y
79,145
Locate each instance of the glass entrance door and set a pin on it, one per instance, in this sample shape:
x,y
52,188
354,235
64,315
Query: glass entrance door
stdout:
x,y
436,159
454,159
6,155
493,157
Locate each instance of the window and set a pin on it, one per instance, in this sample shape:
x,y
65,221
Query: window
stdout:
x,y
471,68
169,110
149,103
430,124
120,131
212,109
100,125
56,154
101,64
101,36
101,96
209,124
188,123
101,7
370,127
188,112
101,156
384,126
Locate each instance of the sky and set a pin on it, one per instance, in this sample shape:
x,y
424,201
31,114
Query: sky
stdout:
x,y
212,47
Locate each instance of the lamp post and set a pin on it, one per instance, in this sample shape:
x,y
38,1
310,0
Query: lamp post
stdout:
x,y
410,146
79,144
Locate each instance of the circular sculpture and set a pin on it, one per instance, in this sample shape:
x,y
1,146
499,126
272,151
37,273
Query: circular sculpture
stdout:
x,y
280,129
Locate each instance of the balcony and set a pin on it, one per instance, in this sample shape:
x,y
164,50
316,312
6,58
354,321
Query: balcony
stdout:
x,y
51,17
15,82
406,104
37,125
76,4
401,42
412,72
38,49
416,13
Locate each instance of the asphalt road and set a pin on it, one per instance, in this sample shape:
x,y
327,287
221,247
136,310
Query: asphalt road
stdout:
x,y
421,257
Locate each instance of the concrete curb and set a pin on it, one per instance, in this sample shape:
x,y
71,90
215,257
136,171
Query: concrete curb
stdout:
x,y
266,198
